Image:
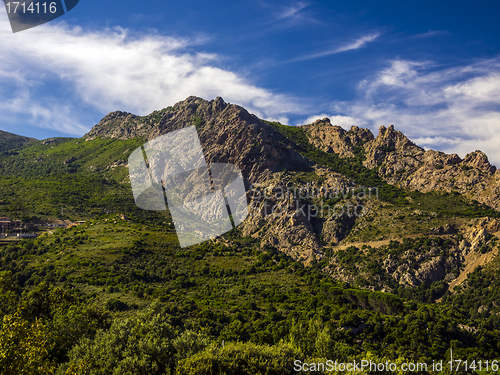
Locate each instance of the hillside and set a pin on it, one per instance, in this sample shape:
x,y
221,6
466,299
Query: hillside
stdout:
x,y
9,141
356,246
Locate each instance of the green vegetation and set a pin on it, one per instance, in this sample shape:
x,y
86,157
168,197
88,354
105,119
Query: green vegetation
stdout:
x,y
117,295
9,143
69,179
260,304
450,205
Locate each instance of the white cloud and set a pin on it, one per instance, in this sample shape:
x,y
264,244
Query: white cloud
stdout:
x,y
294,14
344,121
49,72
292,11
451,109
357,44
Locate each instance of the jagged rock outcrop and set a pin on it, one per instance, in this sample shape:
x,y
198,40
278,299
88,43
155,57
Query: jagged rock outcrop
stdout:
x,y
393,145
120,125
479,233
404,164
479,160
286,218
228,134
49,141
330,138
400,162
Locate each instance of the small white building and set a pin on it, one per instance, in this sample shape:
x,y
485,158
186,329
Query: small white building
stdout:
x,y
26,235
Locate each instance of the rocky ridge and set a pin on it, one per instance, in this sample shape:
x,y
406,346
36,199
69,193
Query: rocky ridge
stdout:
x,y
400,162
228,134
333,138
269,161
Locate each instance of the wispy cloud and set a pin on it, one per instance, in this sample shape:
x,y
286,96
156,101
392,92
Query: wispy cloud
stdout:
x,y
357,44
431,34
292,11
294,14
450,109
55,74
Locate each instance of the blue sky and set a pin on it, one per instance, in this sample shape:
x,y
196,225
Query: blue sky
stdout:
x,y
430,68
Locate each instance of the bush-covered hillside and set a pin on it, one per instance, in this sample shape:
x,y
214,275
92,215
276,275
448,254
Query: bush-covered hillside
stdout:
x,y
409,281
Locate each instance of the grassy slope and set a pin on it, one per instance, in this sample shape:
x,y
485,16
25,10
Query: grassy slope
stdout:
x,y
10,142
72,174
234,291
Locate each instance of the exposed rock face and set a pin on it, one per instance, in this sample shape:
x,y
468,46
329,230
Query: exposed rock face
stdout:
x,y
392,145
119,125
432,170
432,270
49,142
479,233
284,217
330,138
228,134
479,160
407,165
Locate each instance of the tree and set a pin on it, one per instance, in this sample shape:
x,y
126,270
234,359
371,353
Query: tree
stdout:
x,y
142,345
24,347
238,358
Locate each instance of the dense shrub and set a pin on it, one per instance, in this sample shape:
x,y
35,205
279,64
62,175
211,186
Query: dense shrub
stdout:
x,y
240,359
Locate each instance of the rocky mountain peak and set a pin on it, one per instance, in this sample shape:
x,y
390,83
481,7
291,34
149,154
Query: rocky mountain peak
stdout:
x,y
391,144
479,160
390,137
219,104
333,138
360,135
228,134
323,121
403,163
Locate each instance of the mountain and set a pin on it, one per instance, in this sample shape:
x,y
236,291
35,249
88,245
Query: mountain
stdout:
x,y
402,163
333,167
383,248
9,141
228,134
277,157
